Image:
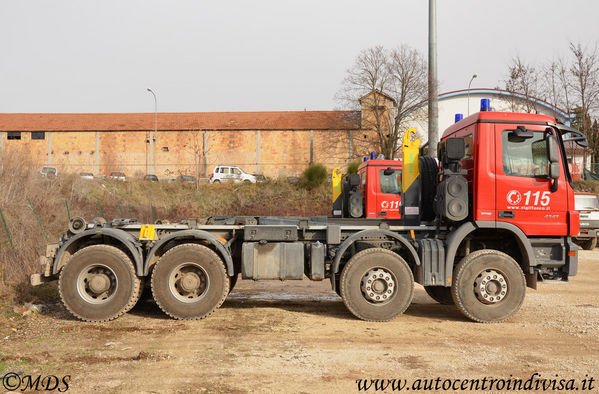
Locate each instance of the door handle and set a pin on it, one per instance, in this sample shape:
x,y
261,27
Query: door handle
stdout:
x,y
506,214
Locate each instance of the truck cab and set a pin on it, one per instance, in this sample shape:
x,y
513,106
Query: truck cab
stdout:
x,y
380,183
517,173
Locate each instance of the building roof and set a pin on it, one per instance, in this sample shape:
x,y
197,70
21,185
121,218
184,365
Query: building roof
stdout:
x,y
274,120
379,93
496,92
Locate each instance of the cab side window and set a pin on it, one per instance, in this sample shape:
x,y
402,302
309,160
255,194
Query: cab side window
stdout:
x,y
468,142
525,157
390,183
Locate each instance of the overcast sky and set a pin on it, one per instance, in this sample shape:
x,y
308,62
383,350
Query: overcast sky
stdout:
x,y
260,55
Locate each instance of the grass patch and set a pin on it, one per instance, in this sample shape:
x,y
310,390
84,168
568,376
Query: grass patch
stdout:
x,y
145,201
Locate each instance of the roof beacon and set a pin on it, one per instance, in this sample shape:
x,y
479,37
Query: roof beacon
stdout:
x,y
485,105
458,117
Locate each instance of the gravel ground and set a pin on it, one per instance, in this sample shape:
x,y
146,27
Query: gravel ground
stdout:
x,y
298,337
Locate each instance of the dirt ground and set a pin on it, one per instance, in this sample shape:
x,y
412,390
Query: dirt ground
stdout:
x,y
298,337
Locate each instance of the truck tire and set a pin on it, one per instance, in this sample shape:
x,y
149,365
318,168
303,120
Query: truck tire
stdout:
x,y
190,282
428,186
586,243
488,286
376,285
99,283
441,294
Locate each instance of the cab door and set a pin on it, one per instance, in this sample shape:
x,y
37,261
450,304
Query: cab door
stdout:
x,y
524,194
387,192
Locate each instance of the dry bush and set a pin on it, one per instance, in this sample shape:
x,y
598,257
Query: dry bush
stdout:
x,y
21,182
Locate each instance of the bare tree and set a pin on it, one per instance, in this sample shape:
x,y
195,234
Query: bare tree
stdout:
x,y
555,85
197,147
387,83
585,84
522,80
565,83
584,71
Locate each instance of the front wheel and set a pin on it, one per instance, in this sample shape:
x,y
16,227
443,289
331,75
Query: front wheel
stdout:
x,y
189,282
376,285
488,286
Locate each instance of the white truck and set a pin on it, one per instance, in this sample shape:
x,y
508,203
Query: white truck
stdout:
x,y
587,204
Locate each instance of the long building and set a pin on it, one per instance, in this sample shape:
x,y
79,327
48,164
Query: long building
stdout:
x,y
270,143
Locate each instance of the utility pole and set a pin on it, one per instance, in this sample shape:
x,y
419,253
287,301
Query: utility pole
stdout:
x,y
433,105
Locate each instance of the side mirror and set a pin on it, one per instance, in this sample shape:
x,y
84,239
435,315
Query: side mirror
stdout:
x,y
389,171
554,171
554,168
552,149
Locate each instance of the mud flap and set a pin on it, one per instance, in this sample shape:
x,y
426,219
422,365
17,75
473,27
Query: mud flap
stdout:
x,y
531,280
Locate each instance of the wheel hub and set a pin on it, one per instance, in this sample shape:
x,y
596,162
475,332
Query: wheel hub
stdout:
x,y
99,283
189,282
378,285
490,287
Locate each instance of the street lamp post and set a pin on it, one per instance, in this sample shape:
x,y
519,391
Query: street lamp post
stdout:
x,y
470,83
153,139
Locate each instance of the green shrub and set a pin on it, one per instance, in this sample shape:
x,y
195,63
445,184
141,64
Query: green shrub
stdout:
x,y
352,168
314,176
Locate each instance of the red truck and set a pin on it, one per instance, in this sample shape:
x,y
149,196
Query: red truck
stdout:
x,y
495,215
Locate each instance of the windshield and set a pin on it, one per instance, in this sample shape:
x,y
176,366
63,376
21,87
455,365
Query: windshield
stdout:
x,y
584,202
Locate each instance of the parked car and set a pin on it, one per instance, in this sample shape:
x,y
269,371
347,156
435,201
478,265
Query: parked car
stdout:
x,y
151,178
187,179
49,172
86,175
587,205
230,174
118,176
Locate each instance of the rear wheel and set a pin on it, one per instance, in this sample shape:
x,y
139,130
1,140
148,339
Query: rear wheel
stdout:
x,y
190,282
440,294
216,181
376,285
488,286
99,283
